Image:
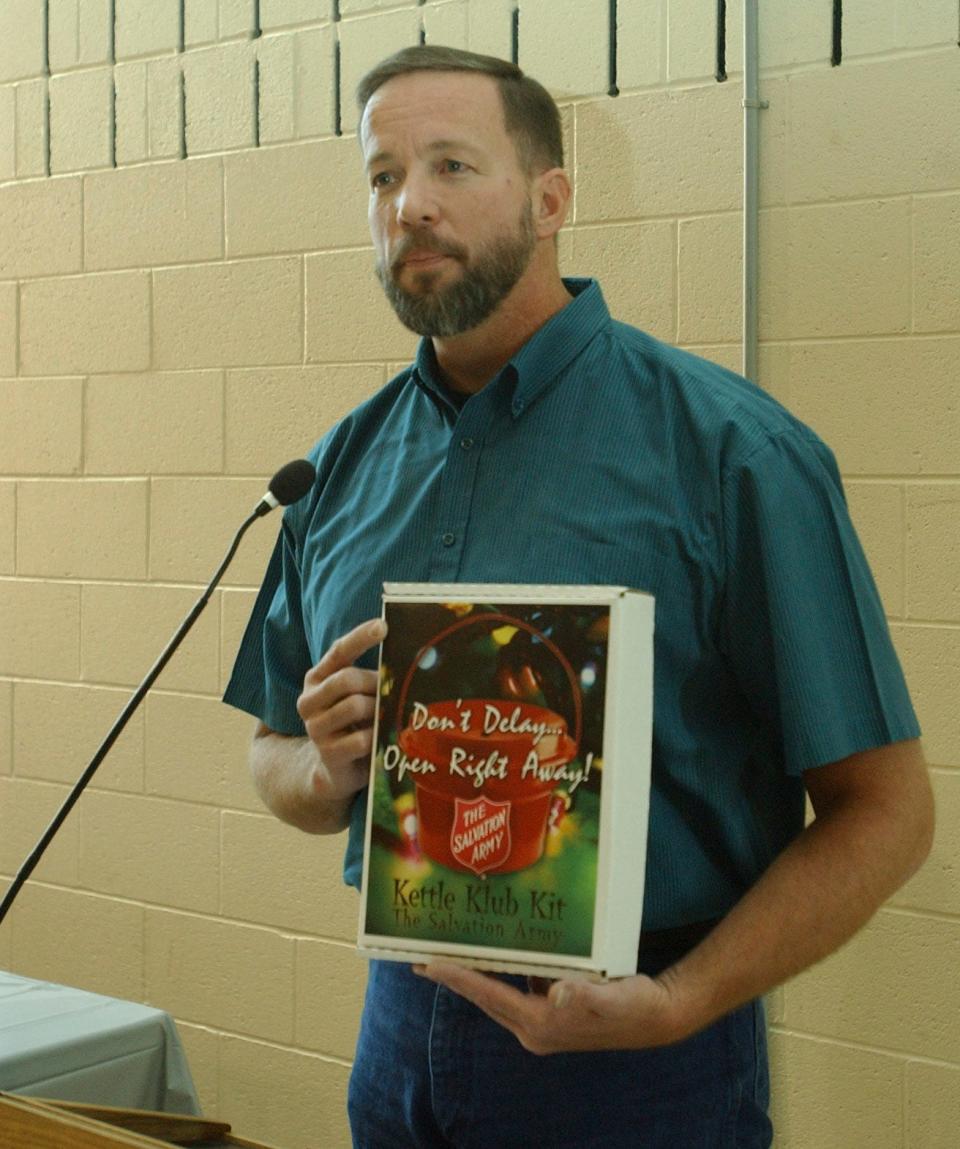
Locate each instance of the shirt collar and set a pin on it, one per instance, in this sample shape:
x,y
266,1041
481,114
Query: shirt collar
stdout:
x,y
539,362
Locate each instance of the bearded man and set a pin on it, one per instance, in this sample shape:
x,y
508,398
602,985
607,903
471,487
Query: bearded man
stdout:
x,y
537,440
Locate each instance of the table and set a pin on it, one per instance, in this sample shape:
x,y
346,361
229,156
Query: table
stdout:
x,y
73,1045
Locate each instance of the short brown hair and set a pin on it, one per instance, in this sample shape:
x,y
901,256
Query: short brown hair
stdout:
x,y
529,111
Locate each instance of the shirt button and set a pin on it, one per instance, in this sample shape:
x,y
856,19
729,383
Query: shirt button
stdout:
x,y
466,444
448,539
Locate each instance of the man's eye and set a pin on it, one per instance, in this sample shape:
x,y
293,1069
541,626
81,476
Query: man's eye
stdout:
x,y
454,166
381,180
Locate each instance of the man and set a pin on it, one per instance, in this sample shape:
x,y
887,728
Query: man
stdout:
x,y
536,440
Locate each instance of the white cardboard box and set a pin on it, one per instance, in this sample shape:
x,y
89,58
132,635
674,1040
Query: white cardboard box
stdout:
x,y
510,776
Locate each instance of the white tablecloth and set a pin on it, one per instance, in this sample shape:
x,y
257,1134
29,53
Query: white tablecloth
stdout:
x,y
73,1045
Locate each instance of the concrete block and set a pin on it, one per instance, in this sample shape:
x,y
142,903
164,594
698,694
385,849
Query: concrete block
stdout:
x,y
935,888
62,526
347,315
159,214
125,627
165,103
172,424
933,552
833,1094
236,19
364,43
132,144
85,325
165,853
710,279
286,13
898,25
235,314
789,34
447,23
351,7
692,40
42,421
219,87
79,33
105,950
222,956
296,1099
6,708
490,28
882,139
296,198
279,876
877,510
636,264
29,646
331,979
22,35
200,22
43,711
32,130
642,36
274,414
565,45
297,80
26,808
936,263
197,752
931,662
872,992
146,29
8,132
8,329
201,1047
41,228
933,1105
188,548
8,536
645,155
863,397
835,270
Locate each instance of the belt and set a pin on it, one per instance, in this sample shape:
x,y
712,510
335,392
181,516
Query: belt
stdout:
x,y
661,948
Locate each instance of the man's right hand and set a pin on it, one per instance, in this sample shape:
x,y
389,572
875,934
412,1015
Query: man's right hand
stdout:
x,y
311,781
337,708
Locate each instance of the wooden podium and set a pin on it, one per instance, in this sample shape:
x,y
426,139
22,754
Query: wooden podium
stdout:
x,y
28,1123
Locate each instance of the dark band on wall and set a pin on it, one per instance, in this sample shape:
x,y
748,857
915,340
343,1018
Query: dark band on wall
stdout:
x,y
612,17
836,50
721,72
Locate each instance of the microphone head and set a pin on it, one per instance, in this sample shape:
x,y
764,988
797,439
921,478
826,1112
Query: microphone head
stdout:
x,y
292,482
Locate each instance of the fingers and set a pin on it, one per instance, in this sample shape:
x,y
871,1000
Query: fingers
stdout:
x,y
338,704
348,648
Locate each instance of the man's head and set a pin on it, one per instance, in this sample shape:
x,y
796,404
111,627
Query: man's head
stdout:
x,y
463,185
529,112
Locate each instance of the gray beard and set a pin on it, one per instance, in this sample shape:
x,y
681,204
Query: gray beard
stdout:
x,y
474,297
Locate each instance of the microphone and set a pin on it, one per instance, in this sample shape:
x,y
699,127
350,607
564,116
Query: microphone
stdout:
x,y
288,485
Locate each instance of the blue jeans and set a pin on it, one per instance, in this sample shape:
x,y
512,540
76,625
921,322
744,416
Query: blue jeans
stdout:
x,y
433,1072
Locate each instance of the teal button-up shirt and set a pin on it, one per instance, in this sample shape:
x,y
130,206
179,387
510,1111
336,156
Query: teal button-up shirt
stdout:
x,y
600,455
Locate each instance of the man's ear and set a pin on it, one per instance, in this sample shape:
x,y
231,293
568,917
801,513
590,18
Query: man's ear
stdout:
x,y
550,196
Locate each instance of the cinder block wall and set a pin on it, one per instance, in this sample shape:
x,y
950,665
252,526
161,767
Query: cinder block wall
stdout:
x,y
187,301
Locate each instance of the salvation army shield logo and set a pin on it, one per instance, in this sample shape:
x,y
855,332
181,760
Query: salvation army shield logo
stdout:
x,y
480,836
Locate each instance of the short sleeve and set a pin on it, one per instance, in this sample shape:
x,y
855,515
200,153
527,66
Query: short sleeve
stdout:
x,y
802,622
273,658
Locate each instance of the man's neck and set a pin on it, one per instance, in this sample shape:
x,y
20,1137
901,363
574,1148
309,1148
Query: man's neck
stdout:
x,y
469,361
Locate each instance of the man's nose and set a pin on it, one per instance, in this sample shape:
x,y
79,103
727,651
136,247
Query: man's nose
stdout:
x,y
417,204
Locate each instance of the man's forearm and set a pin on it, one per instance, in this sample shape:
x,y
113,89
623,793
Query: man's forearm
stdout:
x,y
289,777
814,898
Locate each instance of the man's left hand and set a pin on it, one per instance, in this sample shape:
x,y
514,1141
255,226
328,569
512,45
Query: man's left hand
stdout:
x,y
630,1013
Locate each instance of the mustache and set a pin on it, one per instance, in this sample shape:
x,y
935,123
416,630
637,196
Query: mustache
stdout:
x,y
421,241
